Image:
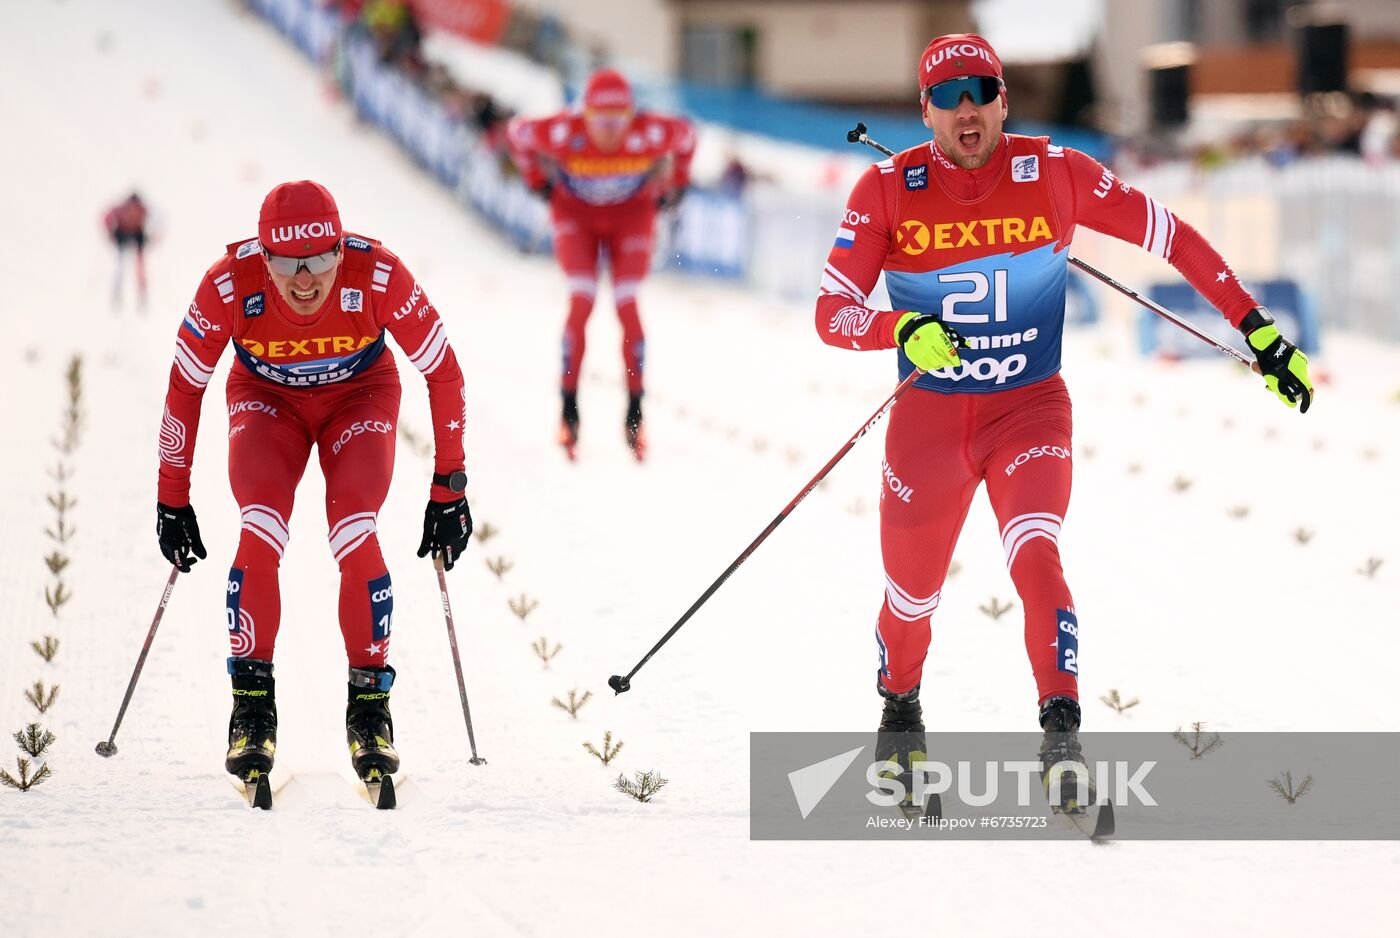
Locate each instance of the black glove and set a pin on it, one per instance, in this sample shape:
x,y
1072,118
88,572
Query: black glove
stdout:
x,y
545,190
446,528
178,532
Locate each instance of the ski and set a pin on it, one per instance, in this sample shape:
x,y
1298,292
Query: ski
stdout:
x,y
568,438
256,787
379,789
1099,828
931,813
1094,819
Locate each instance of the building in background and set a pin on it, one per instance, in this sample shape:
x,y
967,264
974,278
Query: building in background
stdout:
x,y
1216,64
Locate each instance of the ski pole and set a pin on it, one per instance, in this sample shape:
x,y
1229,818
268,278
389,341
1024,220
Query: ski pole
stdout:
x,y
623,683
108,747
456,658
858,135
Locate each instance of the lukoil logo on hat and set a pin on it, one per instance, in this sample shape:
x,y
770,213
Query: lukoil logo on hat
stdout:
x,y
299,219
958,55
607,90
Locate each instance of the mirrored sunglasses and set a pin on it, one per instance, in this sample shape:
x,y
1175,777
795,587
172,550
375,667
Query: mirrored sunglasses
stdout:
x,y
946,95
608,119
316,264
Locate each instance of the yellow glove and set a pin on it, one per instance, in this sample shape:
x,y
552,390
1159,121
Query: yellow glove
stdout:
x,y
1283,365
929,344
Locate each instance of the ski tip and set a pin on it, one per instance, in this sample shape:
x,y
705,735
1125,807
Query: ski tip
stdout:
x,y
259,787
619,684
387,800
1104,824
106,749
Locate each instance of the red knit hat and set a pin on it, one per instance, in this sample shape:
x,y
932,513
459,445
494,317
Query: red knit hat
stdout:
x,y
957,56
299,219
607,90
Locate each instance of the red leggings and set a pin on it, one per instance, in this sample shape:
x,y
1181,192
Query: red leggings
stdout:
x,y
271,432
627,237
939,448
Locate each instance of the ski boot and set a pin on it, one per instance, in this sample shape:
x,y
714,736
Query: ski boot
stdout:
x,y
633,427
252,726
568,425
901,738
369,727
1061,757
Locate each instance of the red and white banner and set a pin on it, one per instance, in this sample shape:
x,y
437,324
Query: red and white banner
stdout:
x,y
480,21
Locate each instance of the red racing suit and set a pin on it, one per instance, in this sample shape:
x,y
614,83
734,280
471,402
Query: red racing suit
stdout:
x,y
327,381
986,249
608,201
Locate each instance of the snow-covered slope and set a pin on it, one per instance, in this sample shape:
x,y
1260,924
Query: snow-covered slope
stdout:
x,y
1203,615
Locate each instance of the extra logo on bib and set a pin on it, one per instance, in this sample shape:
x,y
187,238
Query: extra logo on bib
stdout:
x,y
1025,169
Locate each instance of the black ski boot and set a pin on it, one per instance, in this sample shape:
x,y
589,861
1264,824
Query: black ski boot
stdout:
x,y
252,726
633,426
568,424
369,728
1061,756
901,738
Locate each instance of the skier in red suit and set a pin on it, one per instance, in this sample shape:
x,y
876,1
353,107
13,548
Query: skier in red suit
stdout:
x,y
126,225
306,306
971,231
605,170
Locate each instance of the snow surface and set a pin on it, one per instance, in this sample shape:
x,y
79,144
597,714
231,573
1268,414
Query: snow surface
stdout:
x,y
1204,616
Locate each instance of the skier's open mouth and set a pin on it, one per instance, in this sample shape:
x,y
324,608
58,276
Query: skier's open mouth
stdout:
x,y
970,140
304,296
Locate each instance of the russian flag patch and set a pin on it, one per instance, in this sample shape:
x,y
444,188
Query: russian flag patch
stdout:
x,y
845,238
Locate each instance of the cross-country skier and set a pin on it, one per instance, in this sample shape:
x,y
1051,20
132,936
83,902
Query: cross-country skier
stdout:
x,y
971,230
126,226
306,306
605,169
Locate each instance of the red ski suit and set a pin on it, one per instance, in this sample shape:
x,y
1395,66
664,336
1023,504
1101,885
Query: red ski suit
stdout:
x,y
327,381
986,249
603,200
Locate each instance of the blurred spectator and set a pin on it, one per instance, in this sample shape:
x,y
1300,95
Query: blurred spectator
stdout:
x,y
126,226
1378,137
736,176
396,34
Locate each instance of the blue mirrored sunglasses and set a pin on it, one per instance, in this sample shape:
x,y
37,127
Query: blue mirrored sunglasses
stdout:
x,y
316,264
946,95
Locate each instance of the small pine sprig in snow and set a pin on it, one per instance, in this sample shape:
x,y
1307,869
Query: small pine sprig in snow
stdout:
x,y
23,781
644,788
46,649
42,698
1118,703
609,751
543,651
1285,790
523,606
575,702
34,740
1196,741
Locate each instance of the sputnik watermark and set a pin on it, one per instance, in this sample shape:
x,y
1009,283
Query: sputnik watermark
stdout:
x,y
1121,781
